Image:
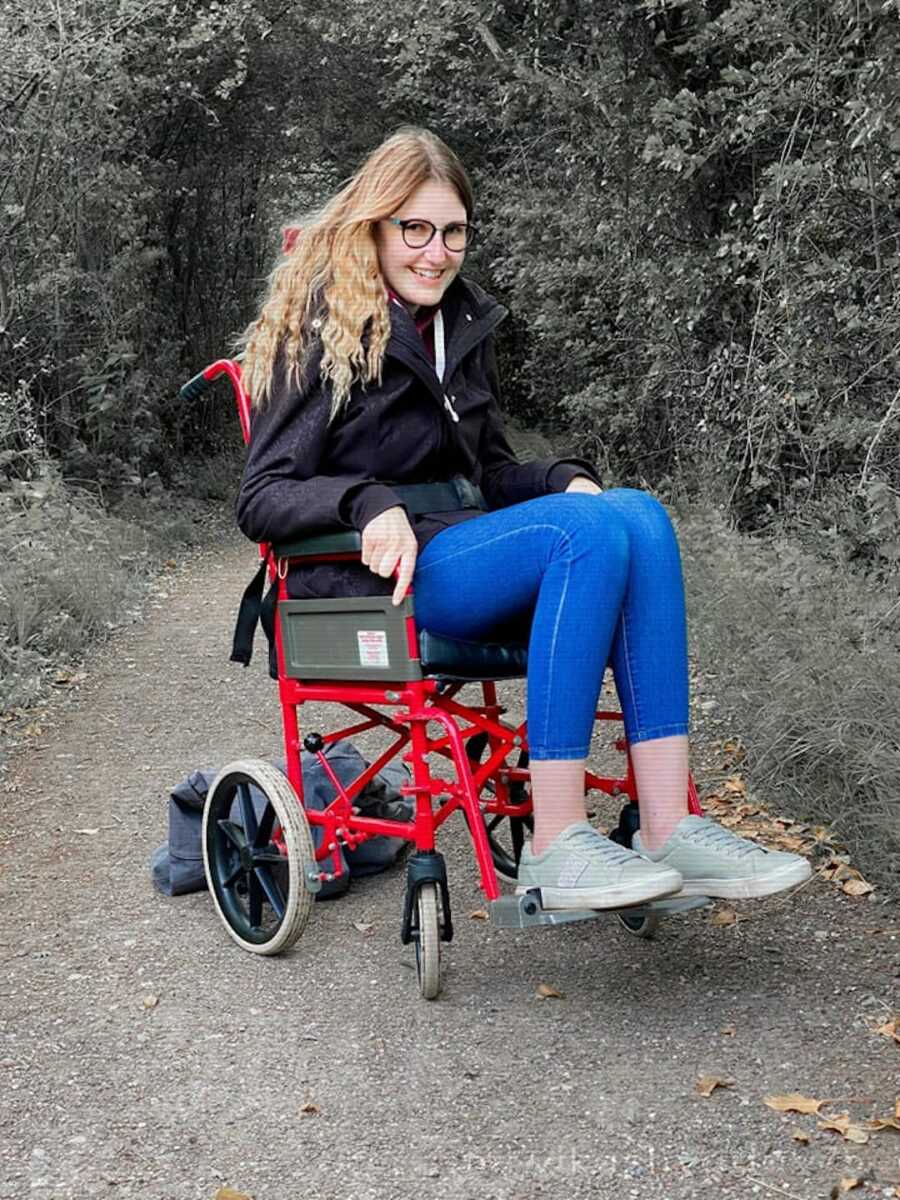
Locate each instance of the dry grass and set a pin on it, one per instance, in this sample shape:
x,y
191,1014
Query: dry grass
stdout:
x,y
72,573
804,664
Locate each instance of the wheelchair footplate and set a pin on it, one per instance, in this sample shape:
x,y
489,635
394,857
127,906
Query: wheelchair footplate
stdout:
x,y
526,911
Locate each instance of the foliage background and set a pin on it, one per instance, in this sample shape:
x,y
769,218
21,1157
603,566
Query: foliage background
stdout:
x,y
688,205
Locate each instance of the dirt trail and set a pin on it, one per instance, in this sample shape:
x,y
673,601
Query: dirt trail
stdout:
x,y
489,1092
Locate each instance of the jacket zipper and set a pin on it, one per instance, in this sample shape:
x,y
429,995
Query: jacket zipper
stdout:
x,y
421,367
425,370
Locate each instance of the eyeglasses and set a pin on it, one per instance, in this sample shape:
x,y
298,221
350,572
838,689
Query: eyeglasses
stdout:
x,y
417,234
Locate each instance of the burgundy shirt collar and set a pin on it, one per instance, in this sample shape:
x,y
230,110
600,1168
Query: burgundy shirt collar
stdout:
x,y
424,322
423,317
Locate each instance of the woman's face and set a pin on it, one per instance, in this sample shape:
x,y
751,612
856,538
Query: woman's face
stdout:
x,y
421,276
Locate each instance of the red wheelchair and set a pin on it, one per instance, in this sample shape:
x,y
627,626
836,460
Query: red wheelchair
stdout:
x,y
364,653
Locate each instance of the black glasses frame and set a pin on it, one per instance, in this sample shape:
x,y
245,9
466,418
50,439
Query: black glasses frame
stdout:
x,y
402,225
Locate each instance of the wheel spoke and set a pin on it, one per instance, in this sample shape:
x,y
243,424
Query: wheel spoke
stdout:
x,y
248,812
230,880
255,900
271,855
264,829
234,833
264,879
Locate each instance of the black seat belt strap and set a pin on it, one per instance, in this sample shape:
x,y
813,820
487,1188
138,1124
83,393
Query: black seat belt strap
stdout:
x,y
248,616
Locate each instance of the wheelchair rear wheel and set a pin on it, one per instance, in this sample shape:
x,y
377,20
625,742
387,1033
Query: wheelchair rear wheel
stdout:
x,y
640,926
257,849
506,836
427,938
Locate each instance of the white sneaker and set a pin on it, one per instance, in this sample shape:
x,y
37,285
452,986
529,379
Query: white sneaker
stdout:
x,y
716,862
583,869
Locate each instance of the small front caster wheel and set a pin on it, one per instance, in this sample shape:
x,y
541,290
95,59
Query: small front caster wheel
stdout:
x,y
427,938
257,850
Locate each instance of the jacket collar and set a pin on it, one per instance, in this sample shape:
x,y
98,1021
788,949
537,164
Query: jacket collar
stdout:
x,y
469,315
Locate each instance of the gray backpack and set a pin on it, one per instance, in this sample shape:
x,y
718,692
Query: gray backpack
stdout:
x,y
176,866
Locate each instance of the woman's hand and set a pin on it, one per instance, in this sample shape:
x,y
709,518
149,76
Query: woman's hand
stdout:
x,y
388,540
581,483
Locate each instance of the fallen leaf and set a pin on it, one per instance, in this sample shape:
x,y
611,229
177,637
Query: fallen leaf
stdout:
x,y
227,1193
724,916
800,1135
707,1084
843,871
478,915
857,887
877,1124
728,1030
735,785
151,1001
890,1029
848,1183
363,926
846,1128
545,992
788,841
730,822
309,1109
749,810
794,1102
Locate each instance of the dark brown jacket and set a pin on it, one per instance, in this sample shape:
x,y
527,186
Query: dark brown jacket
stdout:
x,y
304,475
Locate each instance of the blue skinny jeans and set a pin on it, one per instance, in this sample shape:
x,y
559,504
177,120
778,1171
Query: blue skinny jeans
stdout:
x,y
598,581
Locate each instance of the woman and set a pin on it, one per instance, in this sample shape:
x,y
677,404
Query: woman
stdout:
x,y
372,368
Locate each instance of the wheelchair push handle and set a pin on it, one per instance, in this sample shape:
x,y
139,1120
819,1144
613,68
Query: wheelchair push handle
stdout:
x,y
194,388
203,381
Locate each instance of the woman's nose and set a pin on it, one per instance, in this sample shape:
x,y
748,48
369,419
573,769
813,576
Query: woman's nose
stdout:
x,y
436,251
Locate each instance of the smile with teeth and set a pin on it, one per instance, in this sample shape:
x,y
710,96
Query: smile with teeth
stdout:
x,y
423,273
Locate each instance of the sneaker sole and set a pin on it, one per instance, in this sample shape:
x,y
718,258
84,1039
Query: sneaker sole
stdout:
x,y
750,888
666,883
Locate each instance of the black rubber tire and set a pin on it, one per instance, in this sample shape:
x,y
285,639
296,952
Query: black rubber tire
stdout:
x,y
640,926
505,838
505,834
259,892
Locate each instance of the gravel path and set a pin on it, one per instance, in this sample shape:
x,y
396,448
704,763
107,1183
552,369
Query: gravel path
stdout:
x,y
489,1092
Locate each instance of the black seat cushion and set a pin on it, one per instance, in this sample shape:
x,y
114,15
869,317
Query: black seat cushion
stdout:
x,y
452,658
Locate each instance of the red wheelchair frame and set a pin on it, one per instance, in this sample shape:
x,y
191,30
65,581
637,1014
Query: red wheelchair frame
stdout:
x,y
488,793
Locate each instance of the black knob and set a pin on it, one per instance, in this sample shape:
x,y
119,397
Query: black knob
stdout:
x,y
313,742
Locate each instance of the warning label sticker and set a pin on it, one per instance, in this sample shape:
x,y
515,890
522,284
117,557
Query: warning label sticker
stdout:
x,y
373,648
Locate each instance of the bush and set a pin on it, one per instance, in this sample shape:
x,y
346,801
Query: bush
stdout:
x,y
806,670
72,573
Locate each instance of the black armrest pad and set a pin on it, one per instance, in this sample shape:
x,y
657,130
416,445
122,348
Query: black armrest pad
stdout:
x,y
344,541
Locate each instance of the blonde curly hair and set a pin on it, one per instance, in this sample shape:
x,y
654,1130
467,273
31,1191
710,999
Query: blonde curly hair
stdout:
x,y
333,263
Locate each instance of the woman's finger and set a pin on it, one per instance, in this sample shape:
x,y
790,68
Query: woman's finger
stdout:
x,y
405,571
383,564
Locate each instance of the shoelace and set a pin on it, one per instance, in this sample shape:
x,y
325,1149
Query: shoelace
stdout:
x,y
718,838
589,839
